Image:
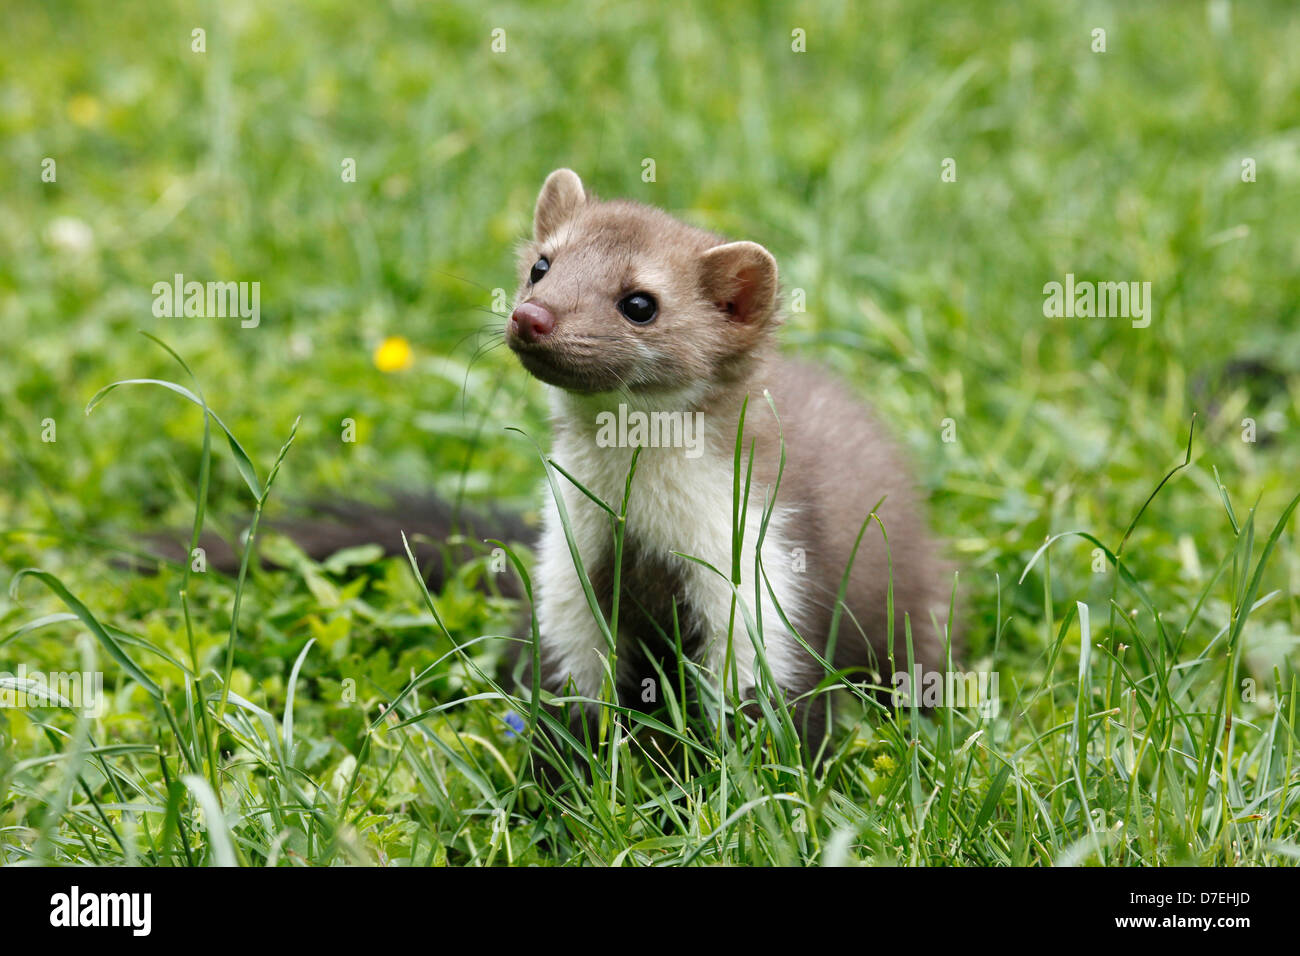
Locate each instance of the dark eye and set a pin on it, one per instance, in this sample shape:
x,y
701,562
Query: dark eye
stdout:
x,y
540,268
638,307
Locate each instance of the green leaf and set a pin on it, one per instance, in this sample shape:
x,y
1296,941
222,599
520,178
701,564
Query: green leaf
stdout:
x,y
81,611
242,461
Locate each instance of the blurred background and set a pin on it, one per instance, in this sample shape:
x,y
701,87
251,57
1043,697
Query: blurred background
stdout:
x,y
377,296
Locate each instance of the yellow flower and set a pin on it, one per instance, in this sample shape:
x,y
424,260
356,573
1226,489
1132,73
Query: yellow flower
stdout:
x,y
83,110
884,764
394,355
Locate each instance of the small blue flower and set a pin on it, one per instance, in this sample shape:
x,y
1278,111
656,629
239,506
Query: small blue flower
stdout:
x,y
515,724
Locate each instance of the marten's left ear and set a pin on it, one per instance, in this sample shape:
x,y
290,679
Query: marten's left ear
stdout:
x,y
740,278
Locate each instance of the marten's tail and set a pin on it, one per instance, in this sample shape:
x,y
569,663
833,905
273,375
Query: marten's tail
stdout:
x,y
440,536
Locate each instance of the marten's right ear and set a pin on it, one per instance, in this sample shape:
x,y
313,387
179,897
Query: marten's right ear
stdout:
x,y
561,195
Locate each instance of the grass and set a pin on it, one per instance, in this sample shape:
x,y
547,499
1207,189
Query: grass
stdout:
x,y
339,713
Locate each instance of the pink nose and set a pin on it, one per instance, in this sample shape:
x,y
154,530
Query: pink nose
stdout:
x,y
531,321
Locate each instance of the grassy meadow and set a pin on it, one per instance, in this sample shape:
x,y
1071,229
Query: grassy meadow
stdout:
x,y
920,173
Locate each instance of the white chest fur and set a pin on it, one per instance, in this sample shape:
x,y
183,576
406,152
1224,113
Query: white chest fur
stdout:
x,y
681,503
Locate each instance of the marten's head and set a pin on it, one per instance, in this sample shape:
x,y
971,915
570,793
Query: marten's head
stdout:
x,y
618,296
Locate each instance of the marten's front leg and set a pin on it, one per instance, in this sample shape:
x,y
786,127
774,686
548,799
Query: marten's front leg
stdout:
x,y
573,646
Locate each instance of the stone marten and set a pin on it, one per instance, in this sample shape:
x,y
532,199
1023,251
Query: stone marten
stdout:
x,y
652,334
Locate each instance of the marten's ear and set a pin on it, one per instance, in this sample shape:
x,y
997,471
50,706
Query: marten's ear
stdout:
x,y
561,195
740,278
